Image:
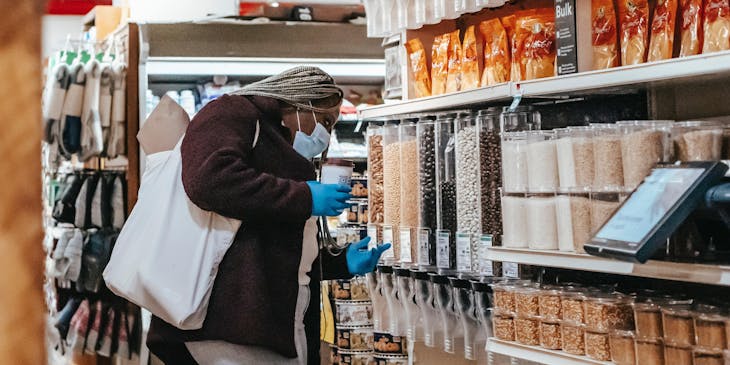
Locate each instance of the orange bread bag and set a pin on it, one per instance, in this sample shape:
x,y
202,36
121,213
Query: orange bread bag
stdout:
x,y
470,76
661,45
604,34
516,45
539,49
716,26
439,64
634,25
419,68
453,81
496,52
690,23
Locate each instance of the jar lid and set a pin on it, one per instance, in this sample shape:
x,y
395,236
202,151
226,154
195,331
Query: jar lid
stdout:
x,y
609,299
339,162
527,290
344,302
647,307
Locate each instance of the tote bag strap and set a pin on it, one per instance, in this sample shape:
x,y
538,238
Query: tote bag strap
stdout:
x,y
256,135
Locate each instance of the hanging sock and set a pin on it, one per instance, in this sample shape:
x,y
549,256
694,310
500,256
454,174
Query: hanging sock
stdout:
x,y
117,138
92,143
70,126
73,255
55,93
106,84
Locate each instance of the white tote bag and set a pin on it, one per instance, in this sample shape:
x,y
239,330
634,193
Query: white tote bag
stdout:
x,y
167,254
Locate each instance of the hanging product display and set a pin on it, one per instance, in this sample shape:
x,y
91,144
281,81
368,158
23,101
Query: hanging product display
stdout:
x,y
605,34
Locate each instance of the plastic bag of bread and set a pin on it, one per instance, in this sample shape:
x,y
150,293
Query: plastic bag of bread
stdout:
x,y
690,23
539,48
661,44
605,34
453,80
634,22
496,52
717,26
470,61
439,64
419,68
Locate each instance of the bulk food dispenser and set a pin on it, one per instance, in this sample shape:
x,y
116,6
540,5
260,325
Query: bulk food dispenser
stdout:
x,y
423,291
464,305
444,302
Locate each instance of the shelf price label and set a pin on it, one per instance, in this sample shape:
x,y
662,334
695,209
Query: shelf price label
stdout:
x,y
463,252
485,265
373,234
405,245
388,238
443,249
424,235
511,270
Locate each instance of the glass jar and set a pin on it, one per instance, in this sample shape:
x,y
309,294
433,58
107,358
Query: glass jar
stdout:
x,y
490,172
573,209
643,145
446,193
710,332
603,205
574,147
409,191
527,330
597,345
605,312
679,355
514,216
391,189
608,166
550,334
522,118
622,344
678,323
549,301
542,226
697,141
542,162
374,135
468,203
650,352
573,337
427,217
514,162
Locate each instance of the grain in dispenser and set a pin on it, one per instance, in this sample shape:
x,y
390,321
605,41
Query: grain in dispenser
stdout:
x,y
409,191
391,190
490,172
468,202
446,193
427,214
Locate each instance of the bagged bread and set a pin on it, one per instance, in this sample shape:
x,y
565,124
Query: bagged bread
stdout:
x,y
634,22
453,80
470,61
690,27
716,26
439,64
661,44
604,34
496,52
516,44
419,68
539,49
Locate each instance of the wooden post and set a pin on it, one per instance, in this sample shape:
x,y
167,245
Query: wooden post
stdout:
x,y
22,308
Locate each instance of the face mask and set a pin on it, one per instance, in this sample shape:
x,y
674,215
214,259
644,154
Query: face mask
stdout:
x,y
311,145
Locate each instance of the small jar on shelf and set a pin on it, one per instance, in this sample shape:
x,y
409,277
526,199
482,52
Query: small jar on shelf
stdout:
x,y
623,351
650,352
573,337
678,323
573,209
697,140
644,143
605,312
608,166
597,345
542,162
503,325
527,330
550,337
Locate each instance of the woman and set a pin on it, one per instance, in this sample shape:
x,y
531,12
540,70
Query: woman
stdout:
x,y
248,156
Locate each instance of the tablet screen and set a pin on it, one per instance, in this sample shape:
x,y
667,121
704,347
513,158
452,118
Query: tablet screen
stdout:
x,y
651,201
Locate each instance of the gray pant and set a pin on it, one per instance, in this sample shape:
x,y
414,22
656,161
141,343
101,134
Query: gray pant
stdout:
x,y
225,353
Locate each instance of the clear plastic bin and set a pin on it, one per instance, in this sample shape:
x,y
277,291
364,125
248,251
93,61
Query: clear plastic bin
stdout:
x,y
468,202
575,157
427,218
527,330
710,331
490,172
573,209
573,337
623,350
542,162
514,162
391,187
650,352
707,357
603,205
678,324
514,216
446,193
527,301
542,226
374,135
597,345
522,118
504,326
648,320
679,355
643,145
550,334
571,303
605,312
409,191
608,167
697,141
549,301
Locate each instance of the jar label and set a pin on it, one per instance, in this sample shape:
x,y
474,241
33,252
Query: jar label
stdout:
x,y
388,238
463,252
511,270
405,245
443,254
373,234
423,244
485,243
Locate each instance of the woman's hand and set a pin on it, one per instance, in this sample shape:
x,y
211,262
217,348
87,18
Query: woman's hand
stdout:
x,y
329,199
360,260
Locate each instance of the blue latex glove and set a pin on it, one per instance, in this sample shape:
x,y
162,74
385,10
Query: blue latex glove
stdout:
x,y
329,199
360,260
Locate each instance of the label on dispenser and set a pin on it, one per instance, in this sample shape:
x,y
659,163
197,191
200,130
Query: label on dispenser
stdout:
x,y
463,252
423,244
388,238
443,254
511,269
373,234
486,267
405,245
